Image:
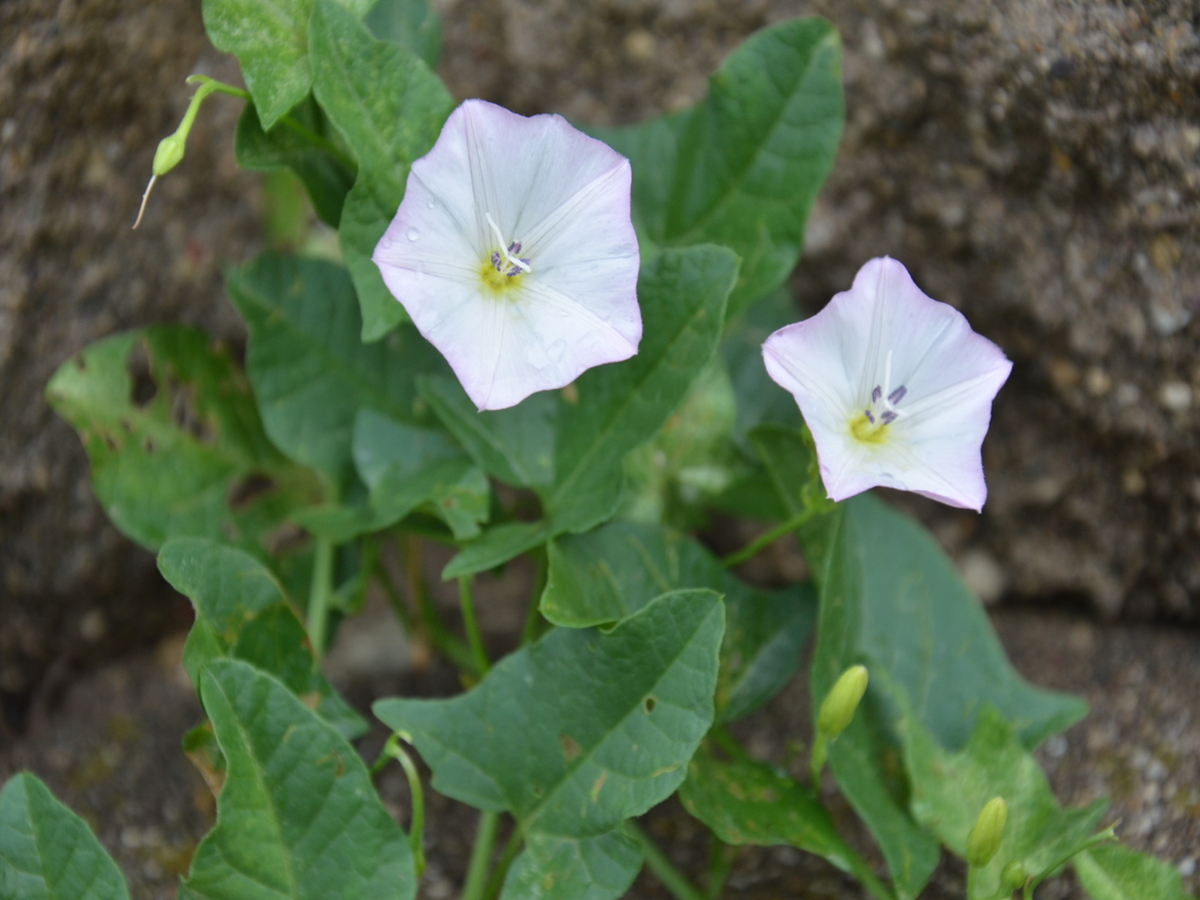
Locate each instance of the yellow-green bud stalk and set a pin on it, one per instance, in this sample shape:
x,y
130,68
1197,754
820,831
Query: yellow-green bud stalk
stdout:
x,y
170,149
837,709
984,839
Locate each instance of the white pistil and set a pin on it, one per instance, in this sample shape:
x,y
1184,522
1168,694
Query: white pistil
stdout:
x,y
507,258
887,388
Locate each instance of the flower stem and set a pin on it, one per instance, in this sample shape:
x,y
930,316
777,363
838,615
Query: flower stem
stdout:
x,y
670,877
481,855
720,861
393,750
767,537
496,883
429,628
472,627
320,590
816,761
533,615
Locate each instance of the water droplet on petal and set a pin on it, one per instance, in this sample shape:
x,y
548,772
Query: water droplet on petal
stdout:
x,y
413,234
556,351
387,240
432,205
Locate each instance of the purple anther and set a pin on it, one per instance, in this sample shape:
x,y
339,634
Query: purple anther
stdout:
x,y
514,247
876,394
888,417
897,395
870,418
496,260
515,270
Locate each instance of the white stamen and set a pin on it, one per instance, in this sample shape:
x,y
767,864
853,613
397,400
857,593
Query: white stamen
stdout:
x,y
506,258
145,197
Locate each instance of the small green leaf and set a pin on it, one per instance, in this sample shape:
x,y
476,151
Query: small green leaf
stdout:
x,y
270,40
553,868
950,789
412,24
583,729
613,408
609,574
241,613
742,167
298,816
47,852
1113,872
746,802
326,172
310,370
175,442
389,107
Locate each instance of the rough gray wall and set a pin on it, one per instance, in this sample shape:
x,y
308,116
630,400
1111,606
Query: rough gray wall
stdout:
x,y
1034,162
87,88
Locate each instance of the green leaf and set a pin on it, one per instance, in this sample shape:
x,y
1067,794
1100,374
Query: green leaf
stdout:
x,y
747,802
311,372
583,729
242,613
301,145
759,399
176,446
270,40
949,790
412,24
389,107
613,409
553,868
1113,872
298,816
609,574
49,853
890,600
742,167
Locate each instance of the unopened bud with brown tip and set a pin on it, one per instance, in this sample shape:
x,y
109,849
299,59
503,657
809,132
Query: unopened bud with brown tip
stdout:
x,y
837,709
984,839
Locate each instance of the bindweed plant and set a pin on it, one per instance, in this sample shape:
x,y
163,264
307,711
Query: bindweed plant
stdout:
x,y
579,317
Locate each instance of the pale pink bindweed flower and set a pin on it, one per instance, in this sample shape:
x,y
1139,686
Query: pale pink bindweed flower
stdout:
x,y
514,254
895,387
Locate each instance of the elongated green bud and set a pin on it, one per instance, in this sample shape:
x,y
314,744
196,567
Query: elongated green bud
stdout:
x,y
984,839
1013,877
169,153
837,709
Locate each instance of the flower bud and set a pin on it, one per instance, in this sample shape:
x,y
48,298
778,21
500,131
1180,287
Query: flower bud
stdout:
x,y
1013,877
169,153
984,839
837,709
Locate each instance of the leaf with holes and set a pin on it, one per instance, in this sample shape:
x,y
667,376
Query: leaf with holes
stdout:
x,y
242,613
298,816
609,574
583,729
389,107
573,450
175,442
47,852
599,868
310,370
742,167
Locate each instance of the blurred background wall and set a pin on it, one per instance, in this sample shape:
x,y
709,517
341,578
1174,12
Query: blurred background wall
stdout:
x,y
1034,162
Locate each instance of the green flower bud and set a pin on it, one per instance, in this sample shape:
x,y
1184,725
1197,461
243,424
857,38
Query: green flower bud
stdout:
x,y
837,710
984,839
169,153
1013,877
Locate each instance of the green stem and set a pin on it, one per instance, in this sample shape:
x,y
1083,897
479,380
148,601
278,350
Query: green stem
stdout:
x,y
816,761
481,855
393,750
286,121
721,857
533,615
496,882
672,879
399,607
432,629
767,537
861,871
472,627
730,747
320,590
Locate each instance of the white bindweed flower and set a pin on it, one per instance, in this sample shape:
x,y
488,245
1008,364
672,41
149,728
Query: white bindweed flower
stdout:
x,y
514,254
895,387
